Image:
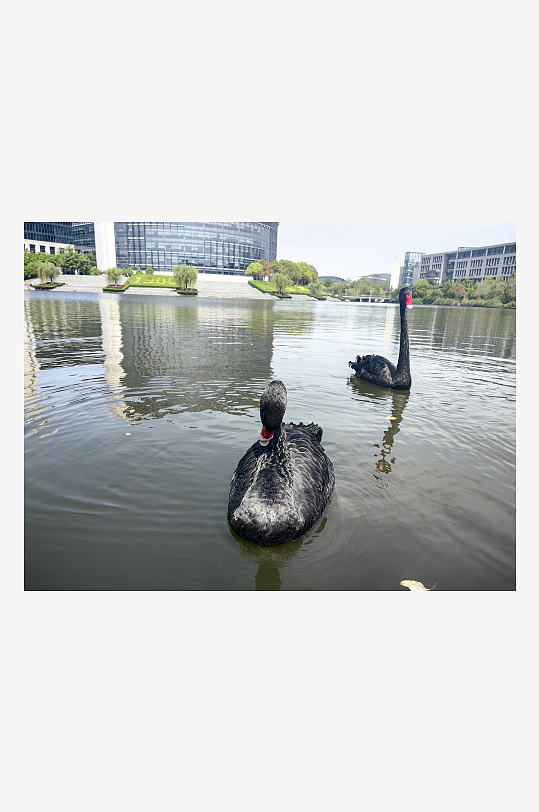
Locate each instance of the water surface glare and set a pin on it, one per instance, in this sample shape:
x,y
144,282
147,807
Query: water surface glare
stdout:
x,y
137,410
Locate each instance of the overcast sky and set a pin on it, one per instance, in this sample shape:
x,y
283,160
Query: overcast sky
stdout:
x,y
351,250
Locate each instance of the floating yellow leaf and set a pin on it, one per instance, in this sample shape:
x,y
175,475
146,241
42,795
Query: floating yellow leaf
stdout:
x,y
391,418
416,586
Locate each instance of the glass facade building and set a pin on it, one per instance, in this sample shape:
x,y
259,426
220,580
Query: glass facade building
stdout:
x,y
213,247
411,259
49,232
84,237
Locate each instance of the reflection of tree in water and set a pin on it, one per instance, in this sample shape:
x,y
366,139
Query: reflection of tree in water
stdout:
x,y
488,331
297,319
396,401
271,559
67,331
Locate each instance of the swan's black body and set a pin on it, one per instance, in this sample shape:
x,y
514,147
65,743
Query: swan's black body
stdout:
x,y
378,370
279,490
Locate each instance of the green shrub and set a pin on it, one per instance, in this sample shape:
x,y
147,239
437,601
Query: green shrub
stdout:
x,y
149,271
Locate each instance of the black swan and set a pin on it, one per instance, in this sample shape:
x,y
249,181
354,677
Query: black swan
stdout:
x,y
283,483
378,370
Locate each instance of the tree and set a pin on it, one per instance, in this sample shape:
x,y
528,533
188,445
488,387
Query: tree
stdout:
x,y
184,276
70,260
267,270
307,273
149,271
459,292
128,272
114,275
33,262
281,281
48,270
254,269
510,292
339,289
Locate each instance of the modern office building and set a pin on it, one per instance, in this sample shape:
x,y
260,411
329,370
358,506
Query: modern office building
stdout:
x,y
84,237
498,261
48,238
212,247
406,271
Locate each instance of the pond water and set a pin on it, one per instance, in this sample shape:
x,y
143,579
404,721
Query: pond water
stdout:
x,y
138,409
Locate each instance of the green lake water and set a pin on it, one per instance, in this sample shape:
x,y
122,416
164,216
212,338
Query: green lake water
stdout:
x,y
137,410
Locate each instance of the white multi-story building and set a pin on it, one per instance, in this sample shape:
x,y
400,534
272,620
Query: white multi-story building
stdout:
x,y
498,261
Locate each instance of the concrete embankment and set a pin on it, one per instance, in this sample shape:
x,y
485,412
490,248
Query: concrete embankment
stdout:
x,y
208,286
214,286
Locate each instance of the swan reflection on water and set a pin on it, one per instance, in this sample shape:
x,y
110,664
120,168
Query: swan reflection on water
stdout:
x,y
396,401
271,559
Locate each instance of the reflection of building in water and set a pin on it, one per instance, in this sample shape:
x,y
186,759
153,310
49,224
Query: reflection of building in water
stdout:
x,y
391,318
111,331
202,355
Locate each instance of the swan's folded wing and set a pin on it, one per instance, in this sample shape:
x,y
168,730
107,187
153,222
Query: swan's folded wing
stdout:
x,y
312,428
375,368
314,478
244,475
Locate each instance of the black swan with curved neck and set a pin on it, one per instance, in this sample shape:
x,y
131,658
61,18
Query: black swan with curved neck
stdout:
x,y
378,370
282,485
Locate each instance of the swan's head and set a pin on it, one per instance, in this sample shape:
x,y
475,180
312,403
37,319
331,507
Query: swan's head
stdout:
x,y
406,296
272,409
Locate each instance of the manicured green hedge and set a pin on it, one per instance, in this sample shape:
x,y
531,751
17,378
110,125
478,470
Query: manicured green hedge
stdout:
x,y
142,280
48,287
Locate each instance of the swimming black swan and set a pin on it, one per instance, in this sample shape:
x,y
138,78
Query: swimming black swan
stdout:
x,y
282,485
375,369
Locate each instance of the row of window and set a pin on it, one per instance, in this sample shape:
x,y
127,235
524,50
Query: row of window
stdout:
x,y
493,261
490,271
477,252
43,250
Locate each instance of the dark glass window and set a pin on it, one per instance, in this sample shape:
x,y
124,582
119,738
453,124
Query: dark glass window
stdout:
x,y
52,249
42,249
32,249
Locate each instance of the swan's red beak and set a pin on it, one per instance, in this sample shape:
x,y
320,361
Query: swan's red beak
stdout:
x,y
408,300
265,436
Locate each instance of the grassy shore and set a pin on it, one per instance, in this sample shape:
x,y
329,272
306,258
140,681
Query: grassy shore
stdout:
x,y
267,287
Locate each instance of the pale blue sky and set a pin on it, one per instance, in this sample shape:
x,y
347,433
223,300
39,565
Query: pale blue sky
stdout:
x,y
359,249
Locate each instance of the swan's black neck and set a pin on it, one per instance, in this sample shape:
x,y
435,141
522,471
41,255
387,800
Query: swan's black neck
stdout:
x,y
402,375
